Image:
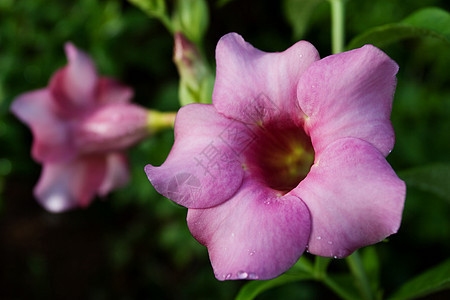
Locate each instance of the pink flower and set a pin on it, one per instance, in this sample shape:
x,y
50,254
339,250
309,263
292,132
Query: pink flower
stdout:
x,y
81,123
290,156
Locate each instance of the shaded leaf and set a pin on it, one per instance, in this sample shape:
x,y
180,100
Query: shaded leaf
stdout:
x,y
428,22
433,280
431,178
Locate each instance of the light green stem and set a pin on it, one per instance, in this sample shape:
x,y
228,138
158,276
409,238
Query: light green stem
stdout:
x,y
337,25
157,121
165,20
357,268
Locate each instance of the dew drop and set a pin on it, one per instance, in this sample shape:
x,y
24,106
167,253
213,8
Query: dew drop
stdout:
x,y
252,276
251,252
335,257
228,276
232,234
242,275
266,202
330,243
318,238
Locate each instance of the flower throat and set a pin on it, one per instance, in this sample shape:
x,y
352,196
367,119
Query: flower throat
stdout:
x,y
280,156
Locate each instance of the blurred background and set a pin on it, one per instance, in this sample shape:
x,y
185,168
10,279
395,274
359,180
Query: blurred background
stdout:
x,y
134,244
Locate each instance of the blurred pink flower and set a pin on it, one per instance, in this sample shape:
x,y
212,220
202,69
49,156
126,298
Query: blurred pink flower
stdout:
x,y
81,123
290,156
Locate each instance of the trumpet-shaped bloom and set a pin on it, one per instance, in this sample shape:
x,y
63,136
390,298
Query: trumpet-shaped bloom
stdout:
x,y
81,123
290,156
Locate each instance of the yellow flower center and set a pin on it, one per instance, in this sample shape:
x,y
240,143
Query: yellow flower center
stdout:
x,y
280,156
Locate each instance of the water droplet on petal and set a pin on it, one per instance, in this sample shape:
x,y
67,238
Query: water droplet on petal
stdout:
x,y
252,276
242,275
318,238
335,257
232,234
228,276
330,243
251,252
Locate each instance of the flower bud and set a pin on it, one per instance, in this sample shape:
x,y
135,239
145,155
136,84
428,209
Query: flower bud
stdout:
x,y
112,128
196,81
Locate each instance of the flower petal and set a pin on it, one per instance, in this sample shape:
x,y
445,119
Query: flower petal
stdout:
x,y
51,139
63,186
203,167
254,86
112,91
117,173
255,235
354,196
350,95
73,87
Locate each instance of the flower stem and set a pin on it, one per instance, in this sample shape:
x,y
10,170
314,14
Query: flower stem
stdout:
x,y
335,287
337,25
158,121
357,268
320,267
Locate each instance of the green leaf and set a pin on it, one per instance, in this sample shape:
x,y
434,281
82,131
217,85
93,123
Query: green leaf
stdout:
x,y
433,280
298,13
254,288
428,22
302,270
431,178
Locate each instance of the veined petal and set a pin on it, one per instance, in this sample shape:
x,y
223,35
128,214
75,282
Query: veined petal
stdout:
x,y
354,196
203,167
111,91
255,235
117,173
63,186
254,86
350,95
51,138
73,87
